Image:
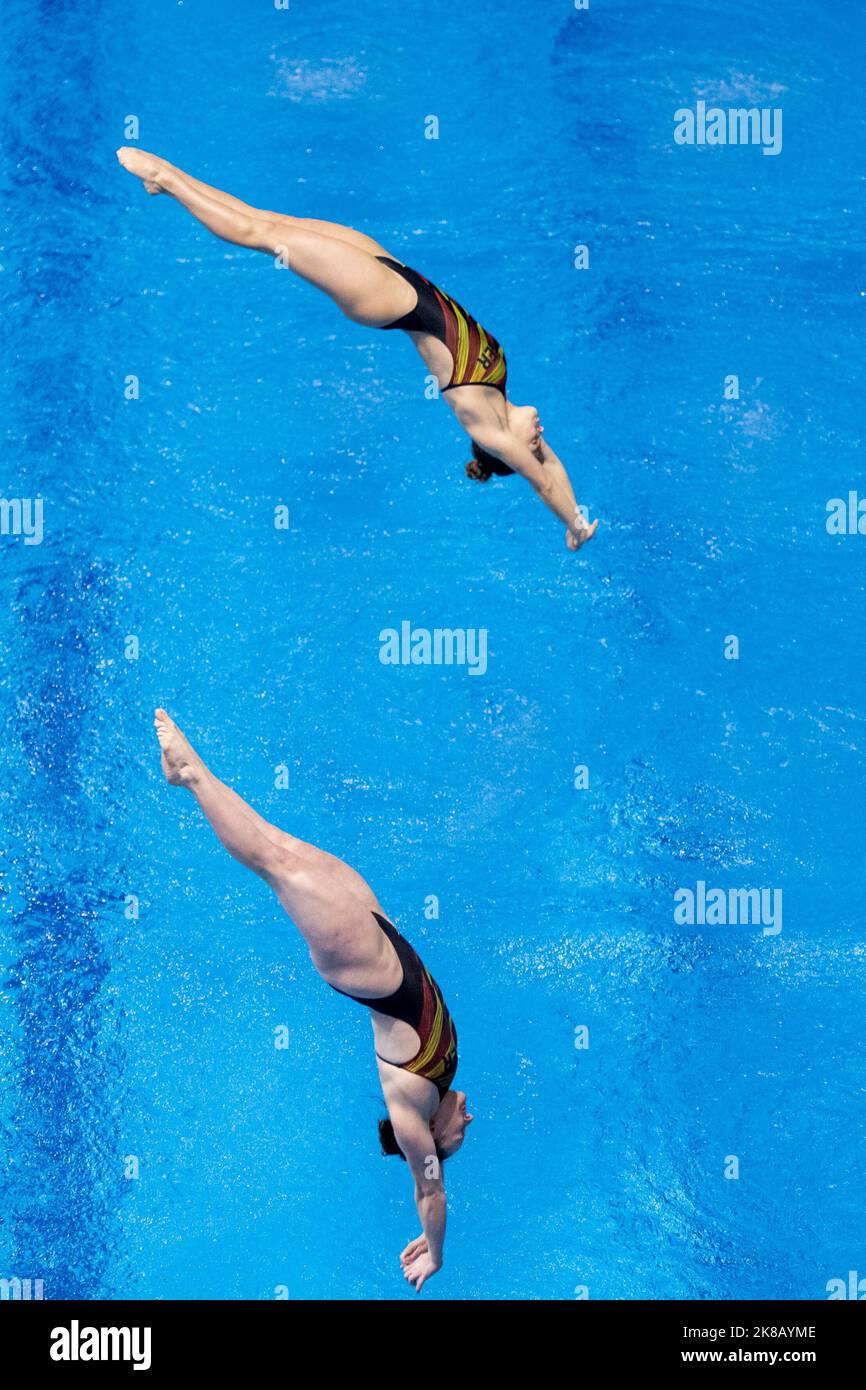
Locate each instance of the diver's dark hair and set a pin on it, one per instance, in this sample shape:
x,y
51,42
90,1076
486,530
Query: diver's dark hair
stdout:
x,y
389,1144
482,465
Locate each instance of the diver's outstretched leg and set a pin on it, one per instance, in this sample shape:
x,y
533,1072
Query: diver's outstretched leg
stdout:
x,y
346,269
329,902
310,224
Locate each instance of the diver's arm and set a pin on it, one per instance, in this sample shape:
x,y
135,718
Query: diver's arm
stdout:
x,y
422,1258
549,479
432,1213
579,528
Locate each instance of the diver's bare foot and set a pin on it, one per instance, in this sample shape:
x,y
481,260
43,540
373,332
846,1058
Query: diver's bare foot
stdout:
x,y
582,532
180,762
149,168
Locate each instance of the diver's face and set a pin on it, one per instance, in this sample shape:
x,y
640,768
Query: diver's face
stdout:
x,y
450,1123
526,426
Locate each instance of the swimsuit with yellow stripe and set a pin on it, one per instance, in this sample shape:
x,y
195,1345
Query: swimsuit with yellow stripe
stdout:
x,y
477,356
419,1003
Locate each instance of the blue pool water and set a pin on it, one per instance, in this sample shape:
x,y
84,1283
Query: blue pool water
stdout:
x,y
152,1038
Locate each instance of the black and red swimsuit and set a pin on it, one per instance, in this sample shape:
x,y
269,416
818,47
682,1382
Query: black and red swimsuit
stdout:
x,y
419,1003
478,359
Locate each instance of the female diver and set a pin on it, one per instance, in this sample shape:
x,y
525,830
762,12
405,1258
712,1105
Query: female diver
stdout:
x,y
373,288
359,953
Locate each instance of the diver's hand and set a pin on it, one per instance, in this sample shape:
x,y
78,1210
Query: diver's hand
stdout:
x,y
581,532
419,1266
418,1246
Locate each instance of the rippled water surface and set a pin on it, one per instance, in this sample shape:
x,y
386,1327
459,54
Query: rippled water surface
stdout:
x,y
152,1038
